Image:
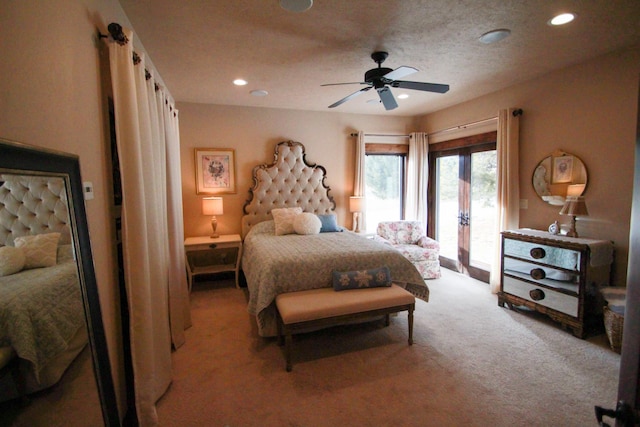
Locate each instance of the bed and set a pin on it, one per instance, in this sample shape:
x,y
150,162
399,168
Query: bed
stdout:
x,y
275,263
42,323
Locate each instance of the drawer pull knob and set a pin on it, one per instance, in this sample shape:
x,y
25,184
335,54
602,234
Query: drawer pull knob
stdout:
x,y
537,253
538,274
213,246
536,294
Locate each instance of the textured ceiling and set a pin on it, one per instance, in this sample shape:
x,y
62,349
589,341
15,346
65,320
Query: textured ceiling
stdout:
x,y
200,47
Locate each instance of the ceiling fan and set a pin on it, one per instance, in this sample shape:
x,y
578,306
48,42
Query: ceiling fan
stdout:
x,y
384,78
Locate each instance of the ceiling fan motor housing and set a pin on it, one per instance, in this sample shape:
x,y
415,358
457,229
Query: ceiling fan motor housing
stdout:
x,y
375,74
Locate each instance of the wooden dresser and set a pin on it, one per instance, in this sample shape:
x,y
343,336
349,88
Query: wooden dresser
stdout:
x,y
556,275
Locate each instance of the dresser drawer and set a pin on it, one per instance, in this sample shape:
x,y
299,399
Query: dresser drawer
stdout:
x,y
542,296
550,255
546,275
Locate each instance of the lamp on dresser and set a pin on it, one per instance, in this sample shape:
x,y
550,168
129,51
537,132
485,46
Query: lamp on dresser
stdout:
x,y
213,206
574,206
356,206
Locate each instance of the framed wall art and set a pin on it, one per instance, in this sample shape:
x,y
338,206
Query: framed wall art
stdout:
x,y
215,171
562,169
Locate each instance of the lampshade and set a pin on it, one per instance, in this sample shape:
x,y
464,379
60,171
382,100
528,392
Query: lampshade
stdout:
x,y
575,190
212,206
574,206
356,203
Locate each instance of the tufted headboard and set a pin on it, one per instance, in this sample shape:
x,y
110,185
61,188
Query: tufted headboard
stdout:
x,y
288,182
31,204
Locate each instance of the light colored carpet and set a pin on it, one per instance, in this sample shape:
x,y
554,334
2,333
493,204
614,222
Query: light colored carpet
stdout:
x,y
72,402
472,363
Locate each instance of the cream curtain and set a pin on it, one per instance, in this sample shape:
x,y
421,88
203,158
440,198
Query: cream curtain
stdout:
x,y
359,178
179,311
508,188
147,138
417,178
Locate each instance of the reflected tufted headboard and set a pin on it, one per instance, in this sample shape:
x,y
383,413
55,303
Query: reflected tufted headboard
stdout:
x,y
288,182
31,204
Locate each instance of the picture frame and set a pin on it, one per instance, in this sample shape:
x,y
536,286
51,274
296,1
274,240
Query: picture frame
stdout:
x,y
215,170
562,169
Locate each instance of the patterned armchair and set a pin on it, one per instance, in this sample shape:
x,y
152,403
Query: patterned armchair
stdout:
x,y
409,238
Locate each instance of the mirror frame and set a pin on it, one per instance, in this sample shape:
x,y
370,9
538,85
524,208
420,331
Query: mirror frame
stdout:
x,y
19,157
558,200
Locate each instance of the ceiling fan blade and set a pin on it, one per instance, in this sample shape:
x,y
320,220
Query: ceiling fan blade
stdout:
x,y
350,83
427,87
346,98
400,72
387,98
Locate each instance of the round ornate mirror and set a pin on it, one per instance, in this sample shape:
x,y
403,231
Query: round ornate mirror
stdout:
x,y
559,175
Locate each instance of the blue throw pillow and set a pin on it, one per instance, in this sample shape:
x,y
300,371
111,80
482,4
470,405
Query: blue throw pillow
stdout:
x,y
372,278
329,223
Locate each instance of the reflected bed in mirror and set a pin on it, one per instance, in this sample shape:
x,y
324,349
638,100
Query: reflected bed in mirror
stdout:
x,y
52,344
558,176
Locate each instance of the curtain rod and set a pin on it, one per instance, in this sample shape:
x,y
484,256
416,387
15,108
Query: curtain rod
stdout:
x,y
516,112
464,126
381,134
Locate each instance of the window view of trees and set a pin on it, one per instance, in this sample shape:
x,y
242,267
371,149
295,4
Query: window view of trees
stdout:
x,y
384,175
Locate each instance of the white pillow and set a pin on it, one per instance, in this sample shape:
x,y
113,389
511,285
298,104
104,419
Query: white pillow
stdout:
x,y
283,217
11,260
40,250
307,223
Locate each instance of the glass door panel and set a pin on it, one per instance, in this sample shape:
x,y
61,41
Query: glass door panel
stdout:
x,y
482,209
447,205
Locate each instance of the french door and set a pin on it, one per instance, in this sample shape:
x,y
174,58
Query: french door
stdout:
x,y
463,206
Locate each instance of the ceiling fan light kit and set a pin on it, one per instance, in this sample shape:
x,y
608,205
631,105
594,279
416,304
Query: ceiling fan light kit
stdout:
x,y
383,79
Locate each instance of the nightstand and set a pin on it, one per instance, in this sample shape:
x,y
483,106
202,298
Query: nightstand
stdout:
x,y
207,255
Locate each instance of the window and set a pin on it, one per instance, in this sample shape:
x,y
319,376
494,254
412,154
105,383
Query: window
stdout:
x,y
385,166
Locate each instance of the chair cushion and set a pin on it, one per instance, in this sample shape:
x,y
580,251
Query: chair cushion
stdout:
x,y
416,253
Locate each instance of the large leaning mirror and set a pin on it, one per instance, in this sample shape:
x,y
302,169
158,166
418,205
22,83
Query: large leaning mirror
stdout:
x,y
558,176
54,363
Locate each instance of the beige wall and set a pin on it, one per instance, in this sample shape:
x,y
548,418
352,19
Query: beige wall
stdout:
x,y
50,96
589,110
253,134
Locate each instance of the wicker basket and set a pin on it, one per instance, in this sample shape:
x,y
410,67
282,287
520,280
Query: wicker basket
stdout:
x,y
613,325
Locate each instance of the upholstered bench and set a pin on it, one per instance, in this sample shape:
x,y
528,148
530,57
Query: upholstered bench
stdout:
x,y
324,307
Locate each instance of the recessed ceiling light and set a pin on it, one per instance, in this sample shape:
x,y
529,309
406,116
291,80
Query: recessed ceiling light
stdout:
x,y
403,96
296,5
494,35
239,82
259,92
563,18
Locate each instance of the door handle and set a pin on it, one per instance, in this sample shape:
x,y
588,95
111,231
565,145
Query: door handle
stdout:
x,y
623,412
463,219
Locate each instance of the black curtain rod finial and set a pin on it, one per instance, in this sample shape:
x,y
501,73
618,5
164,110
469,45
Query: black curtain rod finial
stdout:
x,y
517,112
115,30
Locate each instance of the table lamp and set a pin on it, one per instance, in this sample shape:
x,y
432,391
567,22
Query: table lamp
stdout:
x,y
574,206
356,206
212,206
